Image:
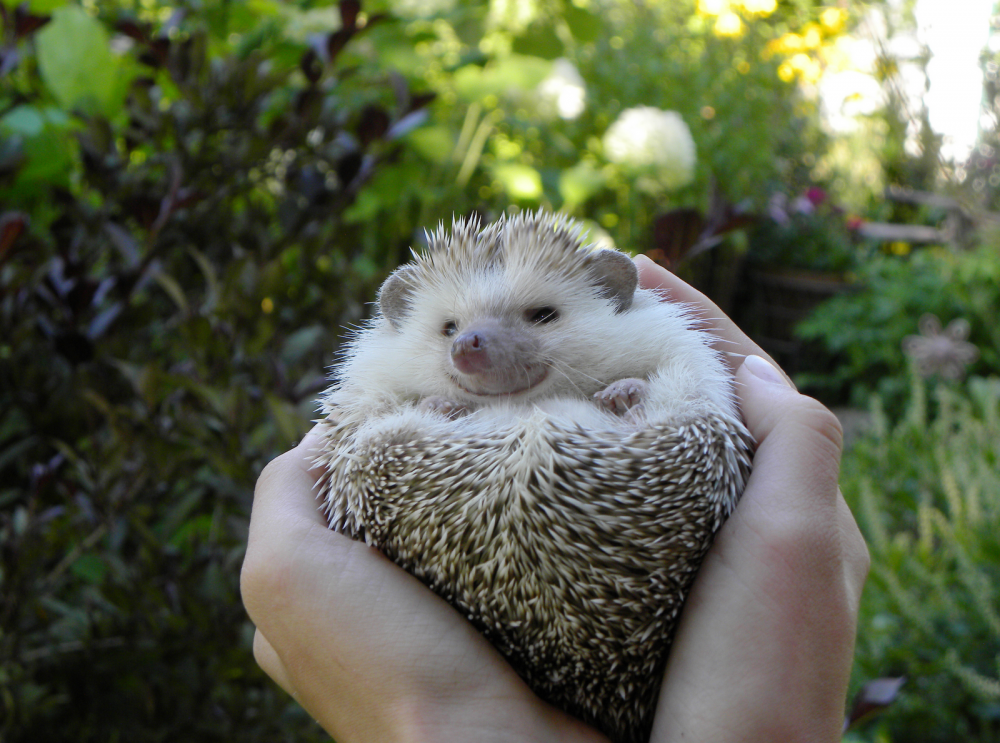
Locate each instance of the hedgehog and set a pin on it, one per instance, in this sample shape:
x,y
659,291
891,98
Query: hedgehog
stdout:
x,y
546,446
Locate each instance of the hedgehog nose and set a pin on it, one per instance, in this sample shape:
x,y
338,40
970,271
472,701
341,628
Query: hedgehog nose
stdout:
x,y
468,353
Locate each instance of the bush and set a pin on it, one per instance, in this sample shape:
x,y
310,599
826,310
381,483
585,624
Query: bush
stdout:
x,y
863,331
174,268
926,493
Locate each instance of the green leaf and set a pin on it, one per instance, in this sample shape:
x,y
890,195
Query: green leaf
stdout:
x,y
514,74
434,143
539,41
299,343
519,181
77,64
584,25
579,183
90,568
37,6
47,148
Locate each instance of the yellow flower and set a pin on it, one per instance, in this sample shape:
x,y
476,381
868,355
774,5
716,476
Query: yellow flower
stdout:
x,y
786,72
713,7
760,7
808,68
728,24
812,38
833,19
785,44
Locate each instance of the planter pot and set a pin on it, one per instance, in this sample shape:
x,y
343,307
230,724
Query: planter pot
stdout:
x,y
780,298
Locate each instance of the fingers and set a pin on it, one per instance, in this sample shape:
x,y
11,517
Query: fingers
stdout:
x,y
734,344
281,492
774,606
267,658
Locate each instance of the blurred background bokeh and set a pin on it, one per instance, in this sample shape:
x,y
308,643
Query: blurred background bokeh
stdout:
x,y
198,197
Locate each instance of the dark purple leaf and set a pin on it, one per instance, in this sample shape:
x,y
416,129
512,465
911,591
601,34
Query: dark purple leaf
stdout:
x,y
124,242
311,65
674,234
74,346
420,100
12,226
25,23
406,124
187,197
373,125
336,42
872,698
348,167
308,103
349,10
133,30
81,295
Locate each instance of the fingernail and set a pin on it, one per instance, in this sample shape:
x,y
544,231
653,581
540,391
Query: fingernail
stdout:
x,y
762,369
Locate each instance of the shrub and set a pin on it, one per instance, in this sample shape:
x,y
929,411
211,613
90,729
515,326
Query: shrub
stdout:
x,y
926,493
174,267
864,330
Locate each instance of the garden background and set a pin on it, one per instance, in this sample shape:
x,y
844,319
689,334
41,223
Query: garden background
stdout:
x,y
197,197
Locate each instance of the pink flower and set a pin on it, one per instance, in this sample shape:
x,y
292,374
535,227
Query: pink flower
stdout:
x,y
816,196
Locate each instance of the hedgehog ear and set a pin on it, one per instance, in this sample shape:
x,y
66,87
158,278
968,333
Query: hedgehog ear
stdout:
x,y
394,295
617,274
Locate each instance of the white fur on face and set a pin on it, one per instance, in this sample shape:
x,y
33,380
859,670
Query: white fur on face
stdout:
x,y
587,348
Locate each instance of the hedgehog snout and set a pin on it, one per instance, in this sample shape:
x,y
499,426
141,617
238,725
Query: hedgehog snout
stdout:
x,y
494,357
470,352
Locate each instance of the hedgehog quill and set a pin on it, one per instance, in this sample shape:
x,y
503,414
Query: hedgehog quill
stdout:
x,y
546,446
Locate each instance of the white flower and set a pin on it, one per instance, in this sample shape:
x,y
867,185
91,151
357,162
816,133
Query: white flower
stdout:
x,y
562,92
646,137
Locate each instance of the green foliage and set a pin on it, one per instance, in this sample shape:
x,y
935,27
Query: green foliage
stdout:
x,y
864,330
196,197
175,264
809,234
926,493
503,141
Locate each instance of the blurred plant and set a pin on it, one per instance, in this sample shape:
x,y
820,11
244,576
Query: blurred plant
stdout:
x,y
944,352
562,93
926,493
175,262
809,233
646,140
503,70
864,330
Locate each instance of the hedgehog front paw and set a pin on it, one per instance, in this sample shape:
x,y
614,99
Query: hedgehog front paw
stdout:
x,y
623,397
448,408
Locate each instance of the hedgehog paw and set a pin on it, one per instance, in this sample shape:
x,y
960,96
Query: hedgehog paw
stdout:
x,y
623,396
444,406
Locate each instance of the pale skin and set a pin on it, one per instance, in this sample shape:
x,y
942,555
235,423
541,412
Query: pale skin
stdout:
x,y
764,647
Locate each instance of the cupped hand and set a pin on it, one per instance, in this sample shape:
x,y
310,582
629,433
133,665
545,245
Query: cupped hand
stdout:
x,y
764,647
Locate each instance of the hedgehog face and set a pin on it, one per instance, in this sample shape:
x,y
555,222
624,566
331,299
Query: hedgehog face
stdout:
x,y
516,311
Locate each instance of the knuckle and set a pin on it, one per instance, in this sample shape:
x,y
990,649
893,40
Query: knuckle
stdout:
x,y
816,416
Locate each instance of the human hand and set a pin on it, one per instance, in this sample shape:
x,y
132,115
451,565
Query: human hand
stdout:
x,y
364,647
764,647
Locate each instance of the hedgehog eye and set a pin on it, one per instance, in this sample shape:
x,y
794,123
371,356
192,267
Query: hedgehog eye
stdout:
x,y
450,328
541,315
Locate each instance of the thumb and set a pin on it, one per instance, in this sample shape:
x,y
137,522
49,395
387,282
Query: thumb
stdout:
x,y
799,441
